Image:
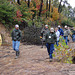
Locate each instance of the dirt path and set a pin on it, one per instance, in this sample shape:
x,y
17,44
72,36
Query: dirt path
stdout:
x,y
33,60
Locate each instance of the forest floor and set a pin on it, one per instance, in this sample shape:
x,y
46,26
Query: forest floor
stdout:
x,y
33,60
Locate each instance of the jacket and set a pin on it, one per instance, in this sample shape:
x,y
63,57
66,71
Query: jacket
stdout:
x,y
43,33
61,31
57,35
16,35
66,32
51,38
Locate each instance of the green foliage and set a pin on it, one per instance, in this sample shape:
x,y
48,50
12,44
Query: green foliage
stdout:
x,y
7,12
67,21
62,52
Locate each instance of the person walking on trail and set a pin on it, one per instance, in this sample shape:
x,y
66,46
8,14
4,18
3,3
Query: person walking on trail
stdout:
x,y
60,30
44,31
66,33
50,40
16,37
73,34
57,35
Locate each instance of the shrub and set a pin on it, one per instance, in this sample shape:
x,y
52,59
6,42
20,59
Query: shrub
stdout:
x,y
7,12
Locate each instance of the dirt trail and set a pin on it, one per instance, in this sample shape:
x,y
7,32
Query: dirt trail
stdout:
x,y
33,60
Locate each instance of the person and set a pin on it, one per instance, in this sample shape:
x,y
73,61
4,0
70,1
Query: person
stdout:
x,y
43,34
16,37
66,33
50,40
73,34
57,35
60,30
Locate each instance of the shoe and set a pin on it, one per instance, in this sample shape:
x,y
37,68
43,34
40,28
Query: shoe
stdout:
x,y
41,47
50,60
16,57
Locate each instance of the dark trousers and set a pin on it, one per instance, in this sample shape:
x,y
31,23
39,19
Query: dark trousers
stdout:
x,y
50,49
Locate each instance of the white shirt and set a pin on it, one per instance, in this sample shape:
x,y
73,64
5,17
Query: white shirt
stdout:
x,y
57,35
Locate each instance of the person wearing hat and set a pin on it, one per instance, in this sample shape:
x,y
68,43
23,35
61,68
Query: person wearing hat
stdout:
x,y
16,37
60,30
50,40
66,33
57,35
73,34
44,31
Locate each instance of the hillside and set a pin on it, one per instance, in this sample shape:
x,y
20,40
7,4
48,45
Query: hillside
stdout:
x,y
5,35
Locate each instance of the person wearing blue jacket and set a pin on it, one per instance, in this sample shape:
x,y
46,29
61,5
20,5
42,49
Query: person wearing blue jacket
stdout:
x,y
60,30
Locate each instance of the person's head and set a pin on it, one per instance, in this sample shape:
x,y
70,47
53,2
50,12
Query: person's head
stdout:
x,y
58,26
56,29
46,26
16,26
65,27
52,30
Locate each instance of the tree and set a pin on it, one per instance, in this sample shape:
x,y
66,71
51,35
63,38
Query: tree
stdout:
x,y
60,7
41,7
28,3
46,7
18,1
49,5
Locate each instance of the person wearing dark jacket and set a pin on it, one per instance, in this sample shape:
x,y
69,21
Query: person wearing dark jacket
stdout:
x,y
66,33
44,31
16,37
50,40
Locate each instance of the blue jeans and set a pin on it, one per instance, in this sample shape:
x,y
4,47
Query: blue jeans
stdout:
x,y
66,39
57,43
50,49
16,45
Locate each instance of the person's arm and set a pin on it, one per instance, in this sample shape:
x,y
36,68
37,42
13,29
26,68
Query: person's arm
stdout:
x,y
20,35
41,33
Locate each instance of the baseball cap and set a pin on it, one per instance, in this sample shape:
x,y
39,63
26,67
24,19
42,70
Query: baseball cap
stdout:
x,y
16,25
46,25
59,26
65,26
51,29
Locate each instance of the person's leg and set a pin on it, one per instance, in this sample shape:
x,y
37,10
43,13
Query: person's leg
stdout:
x,y
13,44
17,48
42,44
48,48
66,40
57,43
51,50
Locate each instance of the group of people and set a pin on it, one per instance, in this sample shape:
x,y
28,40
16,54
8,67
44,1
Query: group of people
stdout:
x,y
52,36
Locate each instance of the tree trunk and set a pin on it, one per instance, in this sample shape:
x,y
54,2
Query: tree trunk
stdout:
x,y
40,7
60,8
25,0
46,7
28,3
18,1
49,6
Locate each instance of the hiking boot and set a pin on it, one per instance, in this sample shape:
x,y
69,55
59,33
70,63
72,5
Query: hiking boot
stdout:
x,y
16,57
50,60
